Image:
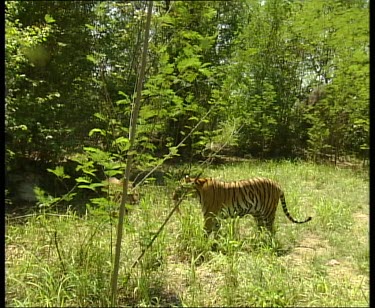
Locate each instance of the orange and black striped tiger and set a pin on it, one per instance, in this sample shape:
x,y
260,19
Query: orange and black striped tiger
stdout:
x,y
258,197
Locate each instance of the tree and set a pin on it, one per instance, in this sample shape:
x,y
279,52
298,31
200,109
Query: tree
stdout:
x,y
52,101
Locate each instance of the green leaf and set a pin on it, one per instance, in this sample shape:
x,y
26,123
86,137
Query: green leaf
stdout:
x,y
92,59
123,94
97,185
123,102
82,180
147,112
91,149
97,130
173,150
187,63
193,118
91,27
100,116
122,140
59,172
87,187
110,173
49,19
206,72
68,197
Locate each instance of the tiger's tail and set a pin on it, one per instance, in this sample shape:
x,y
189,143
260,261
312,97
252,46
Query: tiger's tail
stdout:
x,y
287,214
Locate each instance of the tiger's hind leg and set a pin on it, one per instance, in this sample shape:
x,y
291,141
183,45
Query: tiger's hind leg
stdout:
x,y
266,224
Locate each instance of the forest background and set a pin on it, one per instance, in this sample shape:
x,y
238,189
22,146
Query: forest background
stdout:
x,y
277,78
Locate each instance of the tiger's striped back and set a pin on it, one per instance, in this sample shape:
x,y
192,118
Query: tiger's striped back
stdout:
x,y
258,197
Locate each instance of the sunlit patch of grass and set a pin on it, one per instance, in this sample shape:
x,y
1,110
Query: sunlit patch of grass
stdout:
x,y
64,262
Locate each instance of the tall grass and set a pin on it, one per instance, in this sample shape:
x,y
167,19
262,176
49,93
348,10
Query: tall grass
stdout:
x,y
66,260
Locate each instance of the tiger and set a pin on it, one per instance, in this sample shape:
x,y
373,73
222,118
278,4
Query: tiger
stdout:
x,y
257,196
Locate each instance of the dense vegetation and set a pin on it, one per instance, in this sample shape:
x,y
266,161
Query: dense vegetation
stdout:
x,y
279,78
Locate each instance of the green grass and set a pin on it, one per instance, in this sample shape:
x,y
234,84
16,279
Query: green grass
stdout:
x,y
65,260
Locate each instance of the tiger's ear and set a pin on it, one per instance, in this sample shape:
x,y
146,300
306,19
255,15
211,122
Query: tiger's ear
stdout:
x,y
199,182
199,175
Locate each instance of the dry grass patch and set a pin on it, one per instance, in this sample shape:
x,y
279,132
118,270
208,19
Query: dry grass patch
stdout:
x,y
310,247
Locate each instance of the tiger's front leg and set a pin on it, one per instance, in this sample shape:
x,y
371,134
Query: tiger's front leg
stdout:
x,y
211,224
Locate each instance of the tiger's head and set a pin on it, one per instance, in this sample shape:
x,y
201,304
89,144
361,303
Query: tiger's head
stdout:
x,y
187,185
198,183
187,179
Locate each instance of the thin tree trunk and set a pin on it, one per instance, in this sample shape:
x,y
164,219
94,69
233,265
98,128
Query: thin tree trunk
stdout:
x,y
132,134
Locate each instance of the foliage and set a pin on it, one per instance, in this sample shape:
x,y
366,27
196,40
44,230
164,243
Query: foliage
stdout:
x,y
47,78
338,120
256,63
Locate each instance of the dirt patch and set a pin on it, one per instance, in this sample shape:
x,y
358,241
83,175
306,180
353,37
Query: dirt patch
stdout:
x,y
203,279
310,247
343,270
343,273
13,253
178,276
340,271
361,218
361,227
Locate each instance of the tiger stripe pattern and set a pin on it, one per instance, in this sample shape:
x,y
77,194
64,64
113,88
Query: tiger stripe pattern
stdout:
x,y
258,197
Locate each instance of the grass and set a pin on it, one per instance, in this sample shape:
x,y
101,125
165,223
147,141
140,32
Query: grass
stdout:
x,y
65,260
